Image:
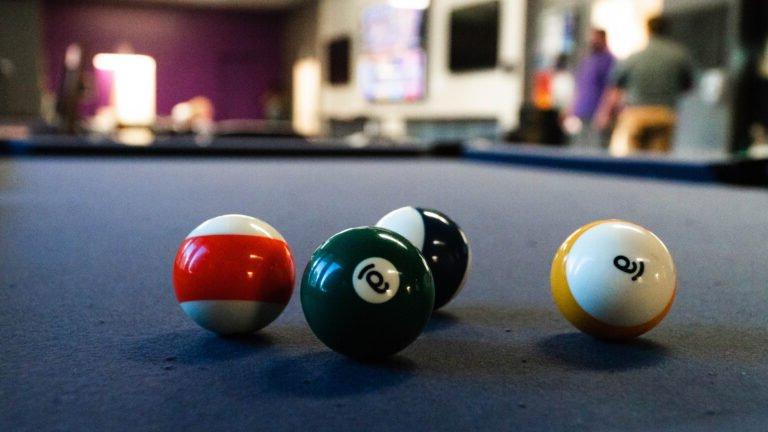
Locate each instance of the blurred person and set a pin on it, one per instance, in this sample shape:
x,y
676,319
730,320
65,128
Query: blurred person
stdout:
x,y
562,84
649,84
541,93
7,70
553,86
551,94
195,115
592,77
750,83
275,103
71,90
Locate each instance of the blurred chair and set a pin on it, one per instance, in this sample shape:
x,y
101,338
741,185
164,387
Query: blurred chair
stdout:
x,y
538,126
647,128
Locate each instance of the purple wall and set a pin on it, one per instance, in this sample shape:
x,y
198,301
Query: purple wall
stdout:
x,y
232,57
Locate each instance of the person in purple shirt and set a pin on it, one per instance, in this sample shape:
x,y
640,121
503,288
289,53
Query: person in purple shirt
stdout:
x,y
592,79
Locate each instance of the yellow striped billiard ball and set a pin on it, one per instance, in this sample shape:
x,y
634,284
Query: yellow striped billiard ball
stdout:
x,y
613,279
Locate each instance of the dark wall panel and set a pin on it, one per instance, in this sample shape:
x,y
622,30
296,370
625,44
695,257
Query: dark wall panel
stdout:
x,y
20,54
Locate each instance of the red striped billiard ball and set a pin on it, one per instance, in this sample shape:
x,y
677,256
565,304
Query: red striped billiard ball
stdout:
x,y
233,274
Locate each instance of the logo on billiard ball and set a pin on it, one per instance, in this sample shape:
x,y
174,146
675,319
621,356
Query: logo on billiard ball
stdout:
x,y
376,280
630,267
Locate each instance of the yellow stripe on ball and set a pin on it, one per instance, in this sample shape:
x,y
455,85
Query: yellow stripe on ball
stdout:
x,y
575,314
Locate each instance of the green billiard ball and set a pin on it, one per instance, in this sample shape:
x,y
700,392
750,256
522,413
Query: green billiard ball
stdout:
x,y
367,292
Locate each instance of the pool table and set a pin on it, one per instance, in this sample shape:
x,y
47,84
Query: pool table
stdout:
x,y
92,338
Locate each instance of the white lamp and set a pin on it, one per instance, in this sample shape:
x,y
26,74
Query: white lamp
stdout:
x,y
133,86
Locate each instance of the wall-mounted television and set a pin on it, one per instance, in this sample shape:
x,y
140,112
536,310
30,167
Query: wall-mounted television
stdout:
x,y
474,41
392,66
338,61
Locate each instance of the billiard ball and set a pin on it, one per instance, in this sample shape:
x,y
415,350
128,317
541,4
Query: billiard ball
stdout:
x,y
233,274
613,279
367,292
441,241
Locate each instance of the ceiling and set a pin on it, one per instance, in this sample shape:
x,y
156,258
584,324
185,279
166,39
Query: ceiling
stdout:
x,y
234,4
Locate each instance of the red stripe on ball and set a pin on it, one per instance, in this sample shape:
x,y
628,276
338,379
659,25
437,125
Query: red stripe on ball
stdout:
x,y
233,267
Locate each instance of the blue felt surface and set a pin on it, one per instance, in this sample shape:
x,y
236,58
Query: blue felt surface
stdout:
x,y
91,337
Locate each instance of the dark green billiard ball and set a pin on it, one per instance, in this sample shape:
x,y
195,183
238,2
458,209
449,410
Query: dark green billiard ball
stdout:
x,y
367,292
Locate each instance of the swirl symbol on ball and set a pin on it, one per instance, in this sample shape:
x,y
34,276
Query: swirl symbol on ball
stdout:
x,y
374,278
628,266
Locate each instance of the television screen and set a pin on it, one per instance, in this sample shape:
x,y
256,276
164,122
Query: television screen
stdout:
x,y
392,66
474,37
338,61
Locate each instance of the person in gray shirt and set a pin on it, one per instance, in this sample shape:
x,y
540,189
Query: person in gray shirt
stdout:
x,y
649,85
